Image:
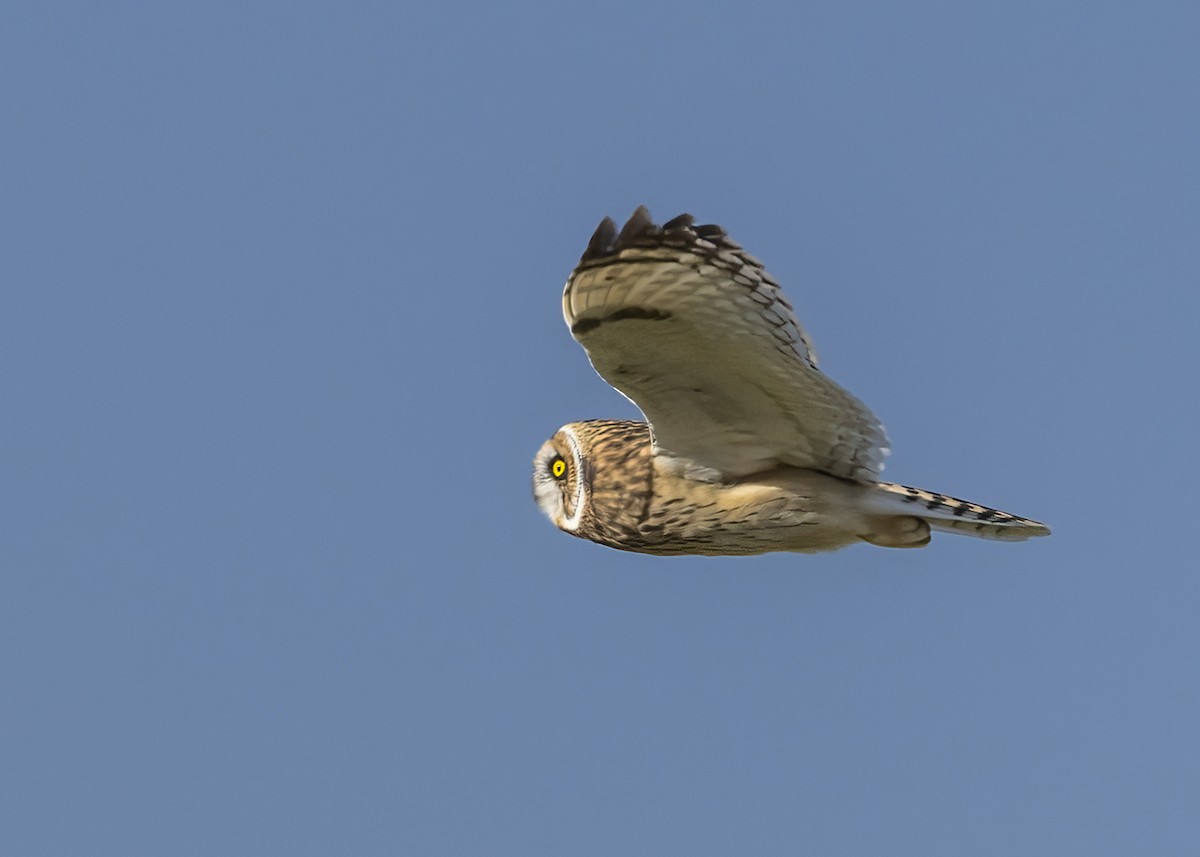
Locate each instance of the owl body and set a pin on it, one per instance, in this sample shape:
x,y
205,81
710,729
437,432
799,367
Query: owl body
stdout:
x,y
617,492
748,447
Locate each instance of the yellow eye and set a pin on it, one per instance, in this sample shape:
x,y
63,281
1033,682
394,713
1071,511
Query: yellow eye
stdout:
x,y
558,468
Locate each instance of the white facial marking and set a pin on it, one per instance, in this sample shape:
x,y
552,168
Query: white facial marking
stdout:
x,y
572,523
546,489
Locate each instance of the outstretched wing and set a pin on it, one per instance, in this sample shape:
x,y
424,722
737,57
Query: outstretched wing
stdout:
x,y
692,329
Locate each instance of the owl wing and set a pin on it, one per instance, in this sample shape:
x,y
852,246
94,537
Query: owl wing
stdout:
x,y
691,328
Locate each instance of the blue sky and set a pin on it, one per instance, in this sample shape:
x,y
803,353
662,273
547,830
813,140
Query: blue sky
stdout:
x,y
280,330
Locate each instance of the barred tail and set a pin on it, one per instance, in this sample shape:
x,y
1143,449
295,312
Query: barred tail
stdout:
x,y
951,515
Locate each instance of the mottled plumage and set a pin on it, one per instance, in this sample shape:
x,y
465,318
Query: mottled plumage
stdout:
x,y
749,447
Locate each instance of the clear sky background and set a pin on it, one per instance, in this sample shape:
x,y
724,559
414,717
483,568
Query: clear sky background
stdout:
x,y
280,333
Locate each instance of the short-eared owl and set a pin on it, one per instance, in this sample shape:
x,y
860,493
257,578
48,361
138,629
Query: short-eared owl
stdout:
x,y
748,447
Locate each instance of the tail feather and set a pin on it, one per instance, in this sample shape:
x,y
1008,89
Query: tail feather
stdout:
x,y
951,515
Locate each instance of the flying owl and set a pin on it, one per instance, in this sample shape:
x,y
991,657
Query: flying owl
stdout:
x,y
748,447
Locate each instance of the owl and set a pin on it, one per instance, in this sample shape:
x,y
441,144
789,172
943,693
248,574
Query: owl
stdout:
x,y
747,446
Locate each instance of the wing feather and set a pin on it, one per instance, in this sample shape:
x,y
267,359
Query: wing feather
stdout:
x,y
697,334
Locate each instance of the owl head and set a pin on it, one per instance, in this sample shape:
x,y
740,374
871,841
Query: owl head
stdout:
x,y
592,478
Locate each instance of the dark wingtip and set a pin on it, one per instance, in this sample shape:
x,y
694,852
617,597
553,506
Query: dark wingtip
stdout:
x,y
683,221
637,226
710,232
640,228
603,242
